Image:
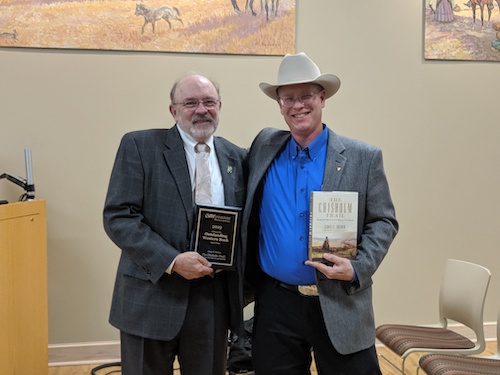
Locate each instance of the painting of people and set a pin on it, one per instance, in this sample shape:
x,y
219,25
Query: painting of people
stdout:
x,y
254,27
462,30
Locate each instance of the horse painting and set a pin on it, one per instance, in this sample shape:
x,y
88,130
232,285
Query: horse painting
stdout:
x,y
249,5
489,5
151,15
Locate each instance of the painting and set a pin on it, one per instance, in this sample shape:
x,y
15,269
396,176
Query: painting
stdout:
x,y
262,27
462,30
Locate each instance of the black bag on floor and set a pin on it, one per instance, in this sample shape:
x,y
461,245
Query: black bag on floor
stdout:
x,y
240,351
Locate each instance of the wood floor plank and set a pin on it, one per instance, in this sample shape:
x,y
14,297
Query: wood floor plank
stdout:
x,y
387,369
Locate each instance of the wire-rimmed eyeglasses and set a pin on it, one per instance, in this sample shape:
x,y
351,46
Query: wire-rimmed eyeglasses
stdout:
x,y
193,104
305,99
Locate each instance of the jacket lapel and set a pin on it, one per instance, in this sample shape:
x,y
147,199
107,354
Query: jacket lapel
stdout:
x,y
175,159
227,165
335,162
268,150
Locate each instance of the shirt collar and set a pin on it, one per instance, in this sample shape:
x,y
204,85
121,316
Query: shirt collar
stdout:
x,y
314,148
189,141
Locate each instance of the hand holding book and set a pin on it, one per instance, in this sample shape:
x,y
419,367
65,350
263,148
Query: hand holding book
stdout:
x,y
338,268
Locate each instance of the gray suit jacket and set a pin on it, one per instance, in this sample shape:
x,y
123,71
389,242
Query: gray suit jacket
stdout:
x,y
350,166
148,214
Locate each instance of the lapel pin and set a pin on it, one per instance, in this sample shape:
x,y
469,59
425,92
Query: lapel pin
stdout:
x,y
229,170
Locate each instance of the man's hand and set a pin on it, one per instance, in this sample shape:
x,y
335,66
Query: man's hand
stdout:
x,y
192,265
340,268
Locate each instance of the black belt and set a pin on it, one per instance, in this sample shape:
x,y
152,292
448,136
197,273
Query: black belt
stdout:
x,y
290,287
293,288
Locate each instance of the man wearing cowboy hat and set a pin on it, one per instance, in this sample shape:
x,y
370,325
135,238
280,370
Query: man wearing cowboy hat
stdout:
x,y
301,305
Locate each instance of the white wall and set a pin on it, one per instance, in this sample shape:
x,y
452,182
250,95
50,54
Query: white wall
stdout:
x,y
437,123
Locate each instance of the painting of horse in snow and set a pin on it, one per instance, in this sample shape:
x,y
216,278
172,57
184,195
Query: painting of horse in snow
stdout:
x,y
248,27
462,30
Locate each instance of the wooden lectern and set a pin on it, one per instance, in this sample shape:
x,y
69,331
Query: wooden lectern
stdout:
x,y
23,288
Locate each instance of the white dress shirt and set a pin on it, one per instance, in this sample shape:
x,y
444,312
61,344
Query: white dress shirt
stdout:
x,y
217,187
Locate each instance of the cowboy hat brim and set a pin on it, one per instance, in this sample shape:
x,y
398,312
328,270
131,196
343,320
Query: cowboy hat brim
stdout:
x,y
330,82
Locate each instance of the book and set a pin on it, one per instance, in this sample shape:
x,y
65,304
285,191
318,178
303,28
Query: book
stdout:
x,y
333,225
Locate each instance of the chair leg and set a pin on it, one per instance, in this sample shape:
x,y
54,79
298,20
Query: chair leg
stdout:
x,y
400,370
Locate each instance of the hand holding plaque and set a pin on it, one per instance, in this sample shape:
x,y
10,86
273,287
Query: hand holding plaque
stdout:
x,y
215,234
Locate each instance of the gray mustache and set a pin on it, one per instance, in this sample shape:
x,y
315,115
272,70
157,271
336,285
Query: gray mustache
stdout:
x,y
201,118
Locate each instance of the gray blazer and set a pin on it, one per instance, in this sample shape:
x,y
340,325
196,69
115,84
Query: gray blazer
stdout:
x,y
148,214
350,166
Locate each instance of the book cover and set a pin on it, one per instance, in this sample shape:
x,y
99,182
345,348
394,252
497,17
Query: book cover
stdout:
x,y
333,224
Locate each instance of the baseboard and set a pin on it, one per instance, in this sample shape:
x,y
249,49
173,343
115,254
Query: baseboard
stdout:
x,y
490,331
77,354
85,353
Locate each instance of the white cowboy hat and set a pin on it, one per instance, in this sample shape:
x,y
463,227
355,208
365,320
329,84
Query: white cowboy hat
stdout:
x,y
299,68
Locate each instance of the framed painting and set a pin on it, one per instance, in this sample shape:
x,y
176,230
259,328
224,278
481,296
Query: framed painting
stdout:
x,y
262,27
462,30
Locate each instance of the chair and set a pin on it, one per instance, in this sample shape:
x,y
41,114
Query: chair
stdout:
x,y
461,299
441,364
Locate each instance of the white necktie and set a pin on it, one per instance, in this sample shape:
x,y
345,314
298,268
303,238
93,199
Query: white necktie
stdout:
x,y
202,191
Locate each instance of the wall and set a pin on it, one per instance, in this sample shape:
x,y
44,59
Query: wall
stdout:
x,y
437,123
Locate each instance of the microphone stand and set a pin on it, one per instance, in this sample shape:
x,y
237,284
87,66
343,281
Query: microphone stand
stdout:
x,y
26,184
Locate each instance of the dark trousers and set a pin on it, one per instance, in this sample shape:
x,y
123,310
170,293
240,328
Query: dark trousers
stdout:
x,y
289,328
200,345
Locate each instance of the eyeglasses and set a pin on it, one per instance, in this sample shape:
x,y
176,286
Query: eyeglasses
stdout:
x,y
304,99
193,104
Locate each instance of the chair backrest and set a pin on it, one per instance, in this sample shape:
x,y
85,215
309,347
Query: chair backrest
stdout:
x,y
462,295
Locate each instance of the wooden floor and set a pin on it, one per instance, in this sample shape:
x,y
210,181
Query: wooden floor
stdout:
x,y
411,364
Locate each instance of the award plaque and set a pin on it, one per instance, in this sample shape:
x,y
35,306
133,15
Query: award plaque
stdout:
x,y
216,233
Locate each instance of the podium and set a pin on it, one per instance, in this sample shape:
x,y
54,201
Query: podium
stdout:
x,y
23,288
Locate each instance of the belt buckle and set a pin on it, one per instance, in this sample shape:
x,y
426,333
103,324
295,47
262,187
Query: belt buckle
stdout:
x,y
308,290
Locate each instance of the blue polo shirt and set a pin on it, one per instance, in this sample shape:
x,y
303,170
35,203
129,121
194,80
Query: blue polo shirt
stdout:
x,y
284,211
